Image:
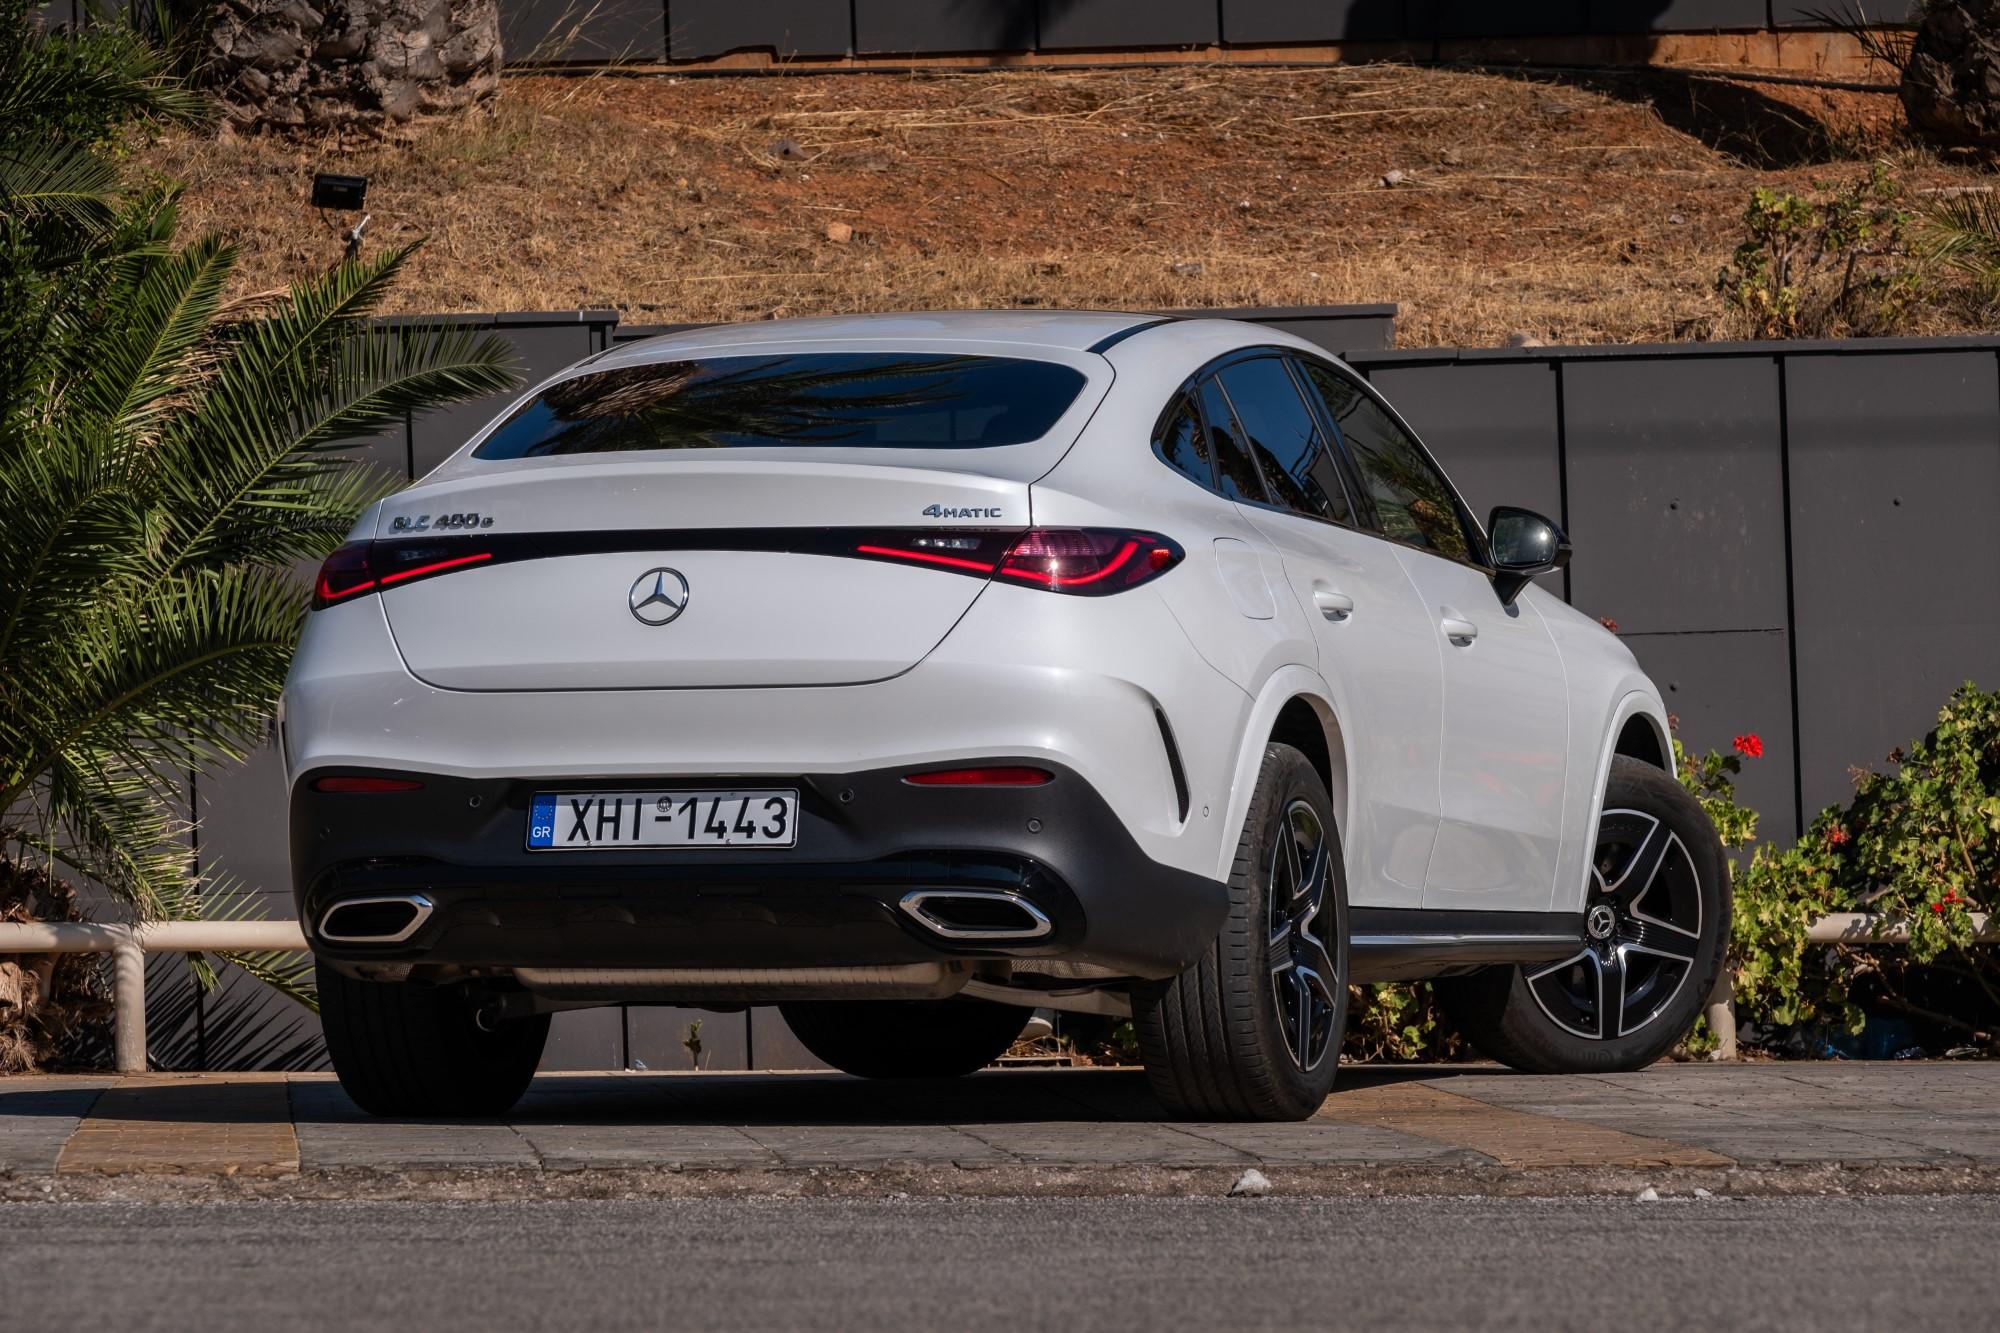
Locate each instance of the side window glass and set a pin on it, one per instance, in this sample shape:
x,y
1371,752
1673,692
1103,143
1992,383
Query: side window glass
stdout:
x,y
1412,498
1285,438
1184,444
1235,470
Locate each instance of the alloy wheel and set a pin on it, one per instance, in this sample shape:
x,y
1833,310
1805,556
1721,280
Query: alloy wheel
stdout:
x,y
1305,982
1642,929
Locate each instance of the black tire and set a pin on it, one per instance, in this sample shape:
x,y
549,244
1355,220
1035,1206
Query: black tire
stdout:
x,y
1653,971
405,1049
1223,1041
906,1038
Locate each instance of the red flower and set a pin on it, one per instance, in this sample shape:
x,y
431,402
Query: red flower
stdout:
x,y
1835,836
1938,908
1751,745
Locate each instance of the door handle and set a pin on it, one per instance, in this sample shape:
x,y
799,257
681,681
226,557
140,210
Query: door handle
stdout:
x,y
1458,629
1333,605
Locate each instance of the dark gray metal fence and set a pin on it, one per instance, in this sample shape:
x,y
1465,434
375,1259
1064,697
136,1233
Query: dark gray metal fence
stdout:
x,y
652,31
1796,539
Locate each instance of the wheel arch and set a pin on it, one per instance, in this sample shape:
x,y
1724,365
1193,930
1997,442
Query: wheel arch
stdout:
x,y
1637,729
1294,708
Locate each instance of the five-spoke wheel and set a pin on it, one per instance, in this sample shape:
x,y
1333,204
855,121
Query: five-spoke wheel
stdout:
x,y
1305,982
1654,926
1252,1030
1642,932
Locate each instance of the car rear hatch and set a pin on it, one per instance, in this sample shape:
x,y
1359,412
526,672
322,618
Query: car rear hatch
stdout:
x,y
739,544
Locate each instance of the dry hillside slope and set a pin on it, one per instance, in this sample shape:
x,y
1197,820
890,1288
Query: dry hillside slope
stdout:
x,y
1575,211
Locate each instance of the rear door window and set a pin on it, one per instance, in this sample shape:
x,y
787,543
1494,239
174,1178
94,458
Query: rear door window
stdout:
x,y
1285,438
841,400
1235,470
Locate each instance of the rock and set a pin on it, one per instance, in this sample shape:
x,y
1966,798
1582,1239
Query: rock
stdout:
x,y
788,150
1676,220
370,65
1252,1184
839,233
1700,1193
1951,85
1391,179
1647,1195
1523,338
1187,268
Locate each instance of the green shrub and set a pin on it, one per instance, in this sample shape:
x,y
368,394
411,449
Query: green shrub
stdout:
x,y
1831,263
1919,848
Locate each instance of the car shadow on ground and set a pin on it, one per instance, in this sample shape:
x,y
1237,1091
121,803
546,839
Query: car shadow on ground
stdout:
x,y
1001,1096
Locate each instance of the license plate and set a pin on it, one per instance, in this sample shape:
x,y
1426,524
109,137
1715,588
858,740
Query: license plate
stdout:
x,y
581,821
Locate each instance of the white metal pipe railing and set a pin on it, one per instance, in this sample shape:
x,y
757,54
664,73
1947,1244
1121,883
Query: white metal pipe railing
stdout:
x,y
128,946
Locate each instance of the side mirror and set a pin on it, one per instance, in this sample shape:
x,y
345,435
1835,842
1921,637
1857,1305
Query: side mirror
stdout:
x,y
1524,544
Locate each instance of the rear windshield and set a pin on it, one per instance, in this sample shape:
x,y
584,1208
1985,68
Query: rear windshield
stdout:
x,y
834,399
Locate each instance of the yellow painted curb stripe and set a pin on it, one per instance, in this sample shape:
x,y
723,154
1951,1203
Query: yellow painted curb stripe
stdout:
x,y
1512,1138
238,1125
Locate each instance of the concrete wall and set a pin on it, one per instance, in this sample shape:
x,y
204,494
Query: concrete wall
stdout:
x,y
1796,539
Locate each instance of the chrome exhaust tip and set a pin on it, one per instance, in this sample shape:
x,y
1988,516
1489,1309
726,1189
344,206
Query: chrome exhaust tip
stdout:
x,y
385,920
977,914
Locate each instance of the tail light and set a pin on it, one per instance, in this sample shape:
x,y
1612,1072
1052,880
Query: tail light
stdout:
x,y
361,567
1083,561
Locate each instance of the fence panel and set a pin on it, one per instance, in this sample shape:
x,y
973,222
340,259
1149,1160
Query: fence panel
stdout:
x,y
1895,462
1483,18
657,1036
698,29
1275,22
916,27
1071,24
583,31
1676,492
1728,684
1613,16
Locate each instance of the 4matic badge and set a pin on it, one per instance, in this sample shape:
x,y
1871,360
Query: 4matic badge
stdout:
x,y
948,511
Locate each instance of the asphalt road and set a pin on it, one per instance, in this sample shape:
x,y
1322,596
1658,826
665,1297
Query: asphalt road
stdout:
x,y
1817,1263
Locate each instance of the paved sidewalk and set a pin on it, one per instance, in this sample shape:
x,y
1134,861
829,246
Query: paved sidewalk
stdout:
x,y
1382,1129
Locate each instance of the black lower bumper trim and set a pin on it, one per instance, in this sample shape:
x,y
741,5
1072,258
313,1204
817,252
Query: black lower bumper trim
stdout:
x,y
865,841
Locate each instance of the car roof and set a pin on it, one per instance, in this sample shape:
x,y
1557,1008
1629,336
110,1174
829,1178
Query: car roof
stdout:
x,y
1066,330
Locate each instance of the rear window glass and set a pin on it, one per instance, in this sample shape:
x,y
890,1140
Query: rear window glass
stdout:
x,y
841,400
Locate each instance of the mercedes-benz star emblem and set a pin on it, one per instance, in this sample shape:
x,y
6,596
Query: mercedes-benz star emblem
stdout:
x,y
660,595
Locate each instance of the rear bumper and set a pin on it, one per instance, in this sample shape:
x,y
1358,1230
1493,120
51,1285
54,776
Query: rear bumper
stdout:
x,y
866,841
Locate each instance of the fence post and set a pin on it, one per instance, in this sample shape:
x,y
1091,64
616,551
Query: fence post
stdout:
x,y
128,992
1722,1014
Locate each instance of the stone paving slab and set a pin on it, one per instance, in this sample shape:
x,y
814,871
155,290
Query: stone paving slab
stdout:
x,y
1386,1120
38,1116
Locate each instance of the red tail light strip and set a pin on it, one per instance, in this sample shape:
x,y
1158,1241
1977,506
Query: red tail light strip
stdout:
x,y
435,567
1079,561
927,558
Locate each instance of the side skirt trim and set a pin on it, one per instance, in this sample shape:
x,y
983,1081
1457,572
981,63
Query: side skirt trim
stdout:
x,y
1402,944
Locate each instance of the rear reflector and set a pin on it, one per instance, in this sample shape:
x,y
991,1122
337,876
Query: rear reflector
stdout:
x,y
981,777
351,785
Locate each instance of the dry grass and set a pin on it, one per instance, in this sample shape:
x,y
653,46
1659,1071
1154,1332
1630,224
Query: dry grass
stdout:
x,y
1568,212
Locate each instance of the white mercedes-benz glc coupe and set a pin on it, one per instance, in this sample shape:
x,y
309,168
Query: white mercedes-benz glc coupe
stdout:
x,y
914,671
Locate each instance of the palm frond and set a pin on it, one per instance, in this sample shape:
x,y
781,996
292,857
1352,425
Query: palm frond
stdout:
x,y
70,181
288,972
1962,232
